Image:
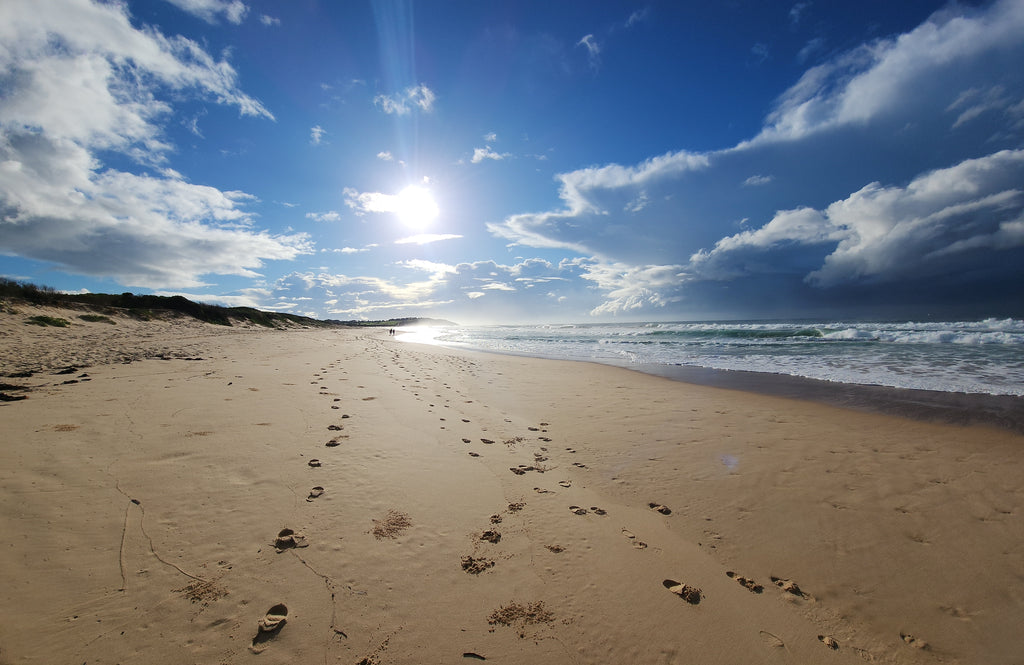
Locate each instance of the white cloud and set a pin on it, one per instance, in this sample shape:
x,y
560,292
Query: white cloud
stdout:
x,y
208,10
638,204
436,269
810,48
593,50
757,180
888,233
426,238
886,76
363,202
627,287
638,16
80,80
580,192
269,20
891,232
417,96
491,137
498,286
480,154
316,135
347,250
329,216
974,103
385,156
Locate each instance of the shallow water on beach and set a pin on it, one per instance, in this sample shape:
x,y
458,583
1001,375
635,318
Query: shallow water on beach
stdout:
x,y
978,357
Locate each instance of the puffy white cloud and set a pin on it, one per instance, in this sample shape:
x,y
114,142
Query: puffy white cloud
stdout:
x,y
480,154
316,134
627,287
142,230
385,156
79,79
417,96
269,20
885,233
892,75
208,10
443,287
892,232
363,202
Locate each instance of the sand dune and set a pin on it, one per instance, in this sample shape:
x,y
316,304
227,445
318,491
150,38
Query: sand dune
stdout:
x,y
468,507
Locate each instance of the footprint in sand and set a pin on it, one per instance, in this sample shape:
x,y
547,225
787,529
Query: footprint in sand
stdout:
x,y
268,626
913,641
577,464
487,441
287,539
599,511
688,593
315,463
335,428
466,441
657,507
475,566
490,536
576,510
637,544
829,641
315,493
745,582
565,483
789,586
336,441
772,640
472,454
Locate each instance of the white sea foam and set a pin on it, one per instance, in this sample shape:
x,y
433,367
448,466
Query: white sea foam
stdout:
x,y
971,356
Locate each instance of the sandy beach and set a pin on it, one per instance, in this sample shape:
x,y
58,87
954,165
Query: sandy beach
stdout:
x,y
177,492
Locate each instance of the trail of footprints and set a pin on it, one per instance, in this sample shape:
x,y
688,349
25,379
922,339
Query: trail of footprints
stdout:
x,y
482,556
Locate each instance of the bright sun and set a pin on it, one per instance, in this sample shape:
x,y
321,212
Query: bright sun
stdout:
x,y
416,207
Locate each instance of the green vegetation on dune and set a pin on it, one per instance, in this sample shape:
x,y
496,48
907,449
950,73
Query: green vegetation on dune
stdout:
x,y
44,321
146,307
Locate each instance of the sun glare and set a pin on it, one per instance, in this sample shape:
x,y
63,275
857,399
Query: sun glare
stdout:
x,y
416,207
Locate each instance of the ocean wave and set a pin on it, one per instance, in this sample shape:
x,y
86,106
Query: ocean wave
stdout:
x,y
972,356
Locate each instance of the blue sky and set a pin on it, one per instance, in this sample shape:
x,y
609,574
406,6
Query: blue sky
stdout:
x,y
528,161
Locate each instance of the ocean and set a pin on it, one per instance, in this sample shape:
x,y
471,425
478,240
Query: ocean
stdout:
x,y
962,357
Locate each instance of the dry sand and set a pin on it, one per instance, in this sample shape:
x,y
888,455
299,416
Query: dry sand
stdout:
x,y
470,507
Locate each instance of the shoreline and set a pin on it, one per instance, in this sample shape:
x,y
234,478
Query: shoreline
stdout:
x,y
961,409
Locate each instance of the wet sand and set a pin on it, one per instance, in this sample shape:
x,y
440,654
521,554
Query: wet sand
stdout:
x,y
236,496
